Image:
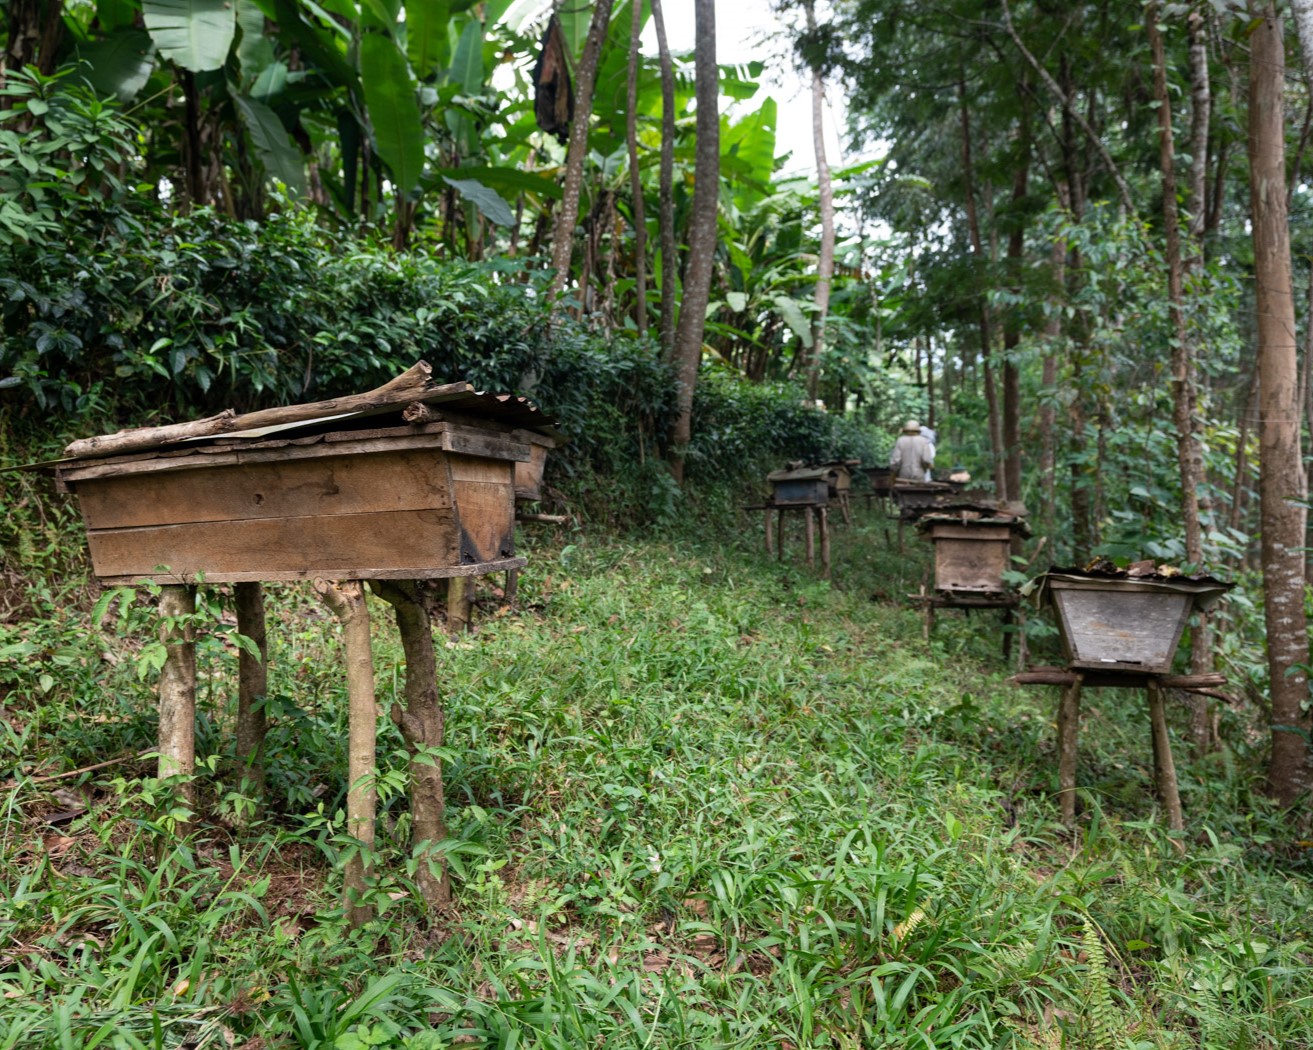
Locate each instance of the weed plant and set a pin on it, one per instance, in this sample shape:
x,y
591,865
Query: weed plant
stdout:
x,y
697,798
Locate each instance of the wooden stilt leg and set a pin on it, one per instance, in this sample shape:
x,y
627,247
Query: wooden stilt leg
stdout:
x,y
1068,726
421,725
1007,634
346,599
252,687
459,601
512,586
1164,764
846,508
770,547
809,518
779,532
927,629
825,542
177,749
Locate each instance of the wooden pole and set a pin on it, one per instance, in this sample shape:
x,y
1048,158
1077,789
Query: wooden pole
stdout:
x,y
252,687
1068,725
459,602
769,545
1164,767
421,725
779,532
512,586
346,599
809,516
177,750
825,542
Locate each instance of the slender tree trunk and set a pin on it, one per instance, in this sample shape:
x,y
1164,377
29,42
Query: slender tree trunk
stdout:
x,y
1189,456
666,188
1049,381
825,188
346,600
1301,12
1201,108
422,724
639,210
702,231
177,730
1280,478
567,213
252,688
1012,330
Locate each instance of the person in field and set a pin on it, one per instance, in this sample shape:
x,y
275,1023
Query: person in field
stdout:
x,y
913,455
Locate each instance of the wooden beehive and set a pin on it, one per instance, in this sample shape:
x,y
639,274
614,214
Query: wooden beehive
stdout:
x,y
881,479
1125,624
345,495
800,487
529,472
970,556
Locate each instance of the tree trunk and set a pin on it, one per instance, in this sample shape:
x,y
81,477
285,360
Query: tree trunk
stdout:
x,y
639,210
252,688
177,730
1048,458
702,232
421,724
1280,478
346,600
1201,108
1011,419
567,213
825,188
666,190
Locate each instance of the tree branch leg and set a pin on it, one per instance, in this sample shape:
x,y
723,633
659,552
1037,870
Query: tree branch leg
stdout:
x,y
178,690
1068,726
252,687
1164,765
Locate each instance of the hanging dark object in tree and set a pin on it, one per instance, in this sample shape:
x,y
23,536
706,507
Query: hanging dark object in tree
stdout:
x,y
553,99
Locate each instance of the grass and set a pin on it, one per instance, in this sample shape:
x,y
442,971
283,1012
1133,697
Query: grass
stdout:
x,y
697,799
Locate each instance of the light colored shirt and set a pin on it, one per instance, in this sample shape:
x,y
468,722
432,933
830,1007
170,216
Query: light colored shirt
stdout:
x,y
912,458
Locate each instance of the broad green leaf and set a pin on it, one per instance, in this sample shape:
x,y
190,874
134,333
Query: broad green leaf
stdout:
x,y
317,44
196,34
393,109
118,64
467,64
271,81
114,14
575,19
489,202
791,311
427,43
255,51
279,155
380,14
508,181
738,301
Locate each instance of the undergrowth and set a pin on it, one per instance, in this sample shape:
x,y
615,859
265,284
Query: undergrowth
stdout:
x,y
696,799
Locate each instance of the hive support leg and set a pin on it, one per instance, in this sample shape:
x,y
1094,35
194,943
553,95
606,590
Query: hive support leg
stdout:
x,y
177,744
1023,654
346,599
421,725
1007,633
459,601
779,533
809,521
252,687
846,509
825,542
512,586
769,545
1068,725
1164,767
928,627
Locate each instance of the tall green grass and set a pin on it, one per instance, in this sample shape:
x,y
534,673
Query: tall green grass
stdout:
x,y
697,799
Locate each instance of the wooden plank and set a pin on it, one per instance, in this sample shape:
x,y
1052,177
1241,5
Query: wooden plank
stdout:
x,y
473,442
484,493
970,564
982,533
1133,629
529,473
409,572
328,485
281,548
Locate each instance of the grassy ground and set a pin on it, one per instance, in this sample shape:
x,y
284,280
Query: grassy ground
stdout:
x,y
697,799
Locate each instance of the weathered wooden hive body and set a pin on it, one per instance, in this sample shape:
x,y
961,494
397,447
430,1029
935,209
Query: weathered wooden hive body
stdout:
x,y
971,553
323,490
1119,623
799,487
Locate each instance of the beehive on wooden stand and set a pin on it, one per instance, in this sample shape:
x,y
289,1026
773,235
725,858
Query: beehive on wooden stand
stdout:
x,y
972,548
401,486
1112,621
799,486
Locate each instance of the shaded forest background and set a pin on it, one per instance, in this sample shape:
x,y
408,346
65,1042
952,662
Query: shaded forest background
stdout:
x,y
1061,259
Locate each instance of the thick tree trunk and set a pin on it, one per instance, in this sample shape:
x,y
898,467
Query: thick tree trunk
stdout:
x,y
1280,480
825,189
1201,108
666,189
637,205
702,232
1012,333
567,213
346,600
421,725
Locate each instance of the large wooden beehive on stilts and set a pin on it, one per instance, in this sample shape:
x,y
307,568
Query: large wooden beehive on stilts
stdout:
x,y
344,489
401,486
